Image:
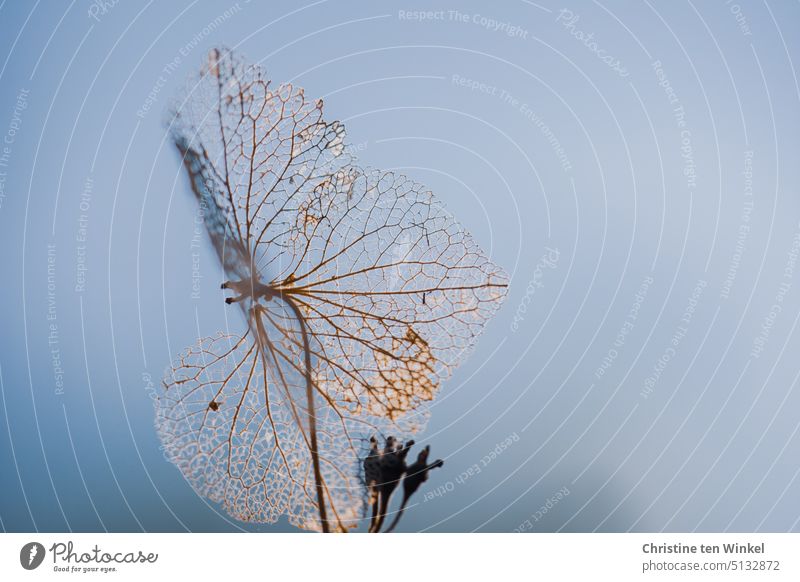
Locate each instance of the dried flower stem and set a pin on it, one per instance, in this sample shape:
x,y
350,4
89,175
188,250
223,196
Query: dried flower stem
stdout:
x,y
312,415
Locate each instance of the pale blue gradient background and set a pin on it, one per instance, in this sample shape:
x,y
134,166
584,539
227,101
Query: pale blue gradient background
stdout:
x,y
715,446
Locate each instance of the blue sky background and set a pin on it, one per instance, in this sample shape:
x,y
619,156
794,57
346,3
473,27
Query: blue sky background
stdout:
x,y
476,114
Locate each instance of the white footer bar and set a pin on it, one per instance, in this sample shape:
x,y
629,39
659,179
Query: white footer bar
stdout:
x,y
404,557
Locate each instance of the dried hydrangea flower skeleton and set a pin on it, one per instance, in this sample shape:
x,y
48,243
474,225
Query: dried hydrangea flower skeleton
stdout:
x,y
345,338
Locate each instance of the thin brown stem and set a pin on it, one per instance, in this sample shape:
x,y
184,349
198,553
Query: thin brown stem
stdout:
x,y
312,415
